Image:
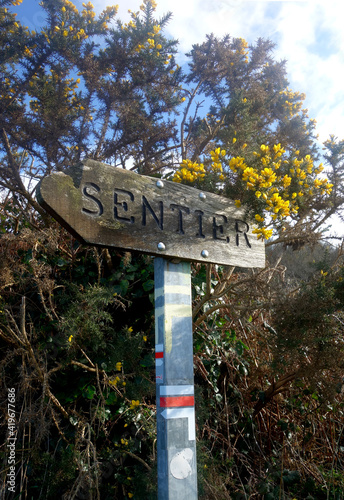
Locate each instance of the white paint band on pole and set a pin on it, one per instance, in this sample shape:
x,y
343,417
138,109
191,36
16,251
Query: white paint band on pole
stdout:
x,y
174,390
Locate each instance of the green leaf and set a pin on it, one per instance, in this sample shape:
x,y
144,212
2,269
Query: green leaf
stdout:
x,y
148,361
111,399
124,286
89,392
148,285
240,347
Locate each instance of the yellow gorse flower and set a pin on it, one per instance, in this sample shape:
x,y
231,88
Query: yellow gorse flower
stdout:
x,y
151,42
277,181
279,193
114,381
189,172
263,233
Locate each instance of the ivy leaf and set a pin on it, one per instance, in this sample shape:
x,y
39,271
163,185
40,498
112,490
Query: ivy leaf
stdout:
x,y
148,285
89,392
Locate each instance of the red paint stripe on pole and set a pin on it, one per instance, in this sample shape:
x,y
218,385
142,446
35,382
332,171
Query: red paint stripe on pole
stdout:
x,y
176,401
159,355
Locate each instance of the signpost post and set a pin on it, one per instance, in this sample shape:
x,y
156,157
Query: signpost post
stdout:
x,y
107,206
176,436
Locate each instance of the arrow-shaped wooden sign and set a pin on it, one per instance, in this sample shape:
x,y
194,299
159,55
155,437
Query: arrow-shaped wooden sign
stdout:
x,y
113,207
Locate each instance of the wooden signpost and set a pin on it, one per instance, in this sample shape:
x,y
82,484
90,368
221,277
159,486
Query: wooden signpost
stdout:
x,y
112,207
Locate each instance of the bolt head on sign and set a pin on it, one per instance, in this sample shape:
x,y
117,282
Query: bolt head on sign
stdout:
x,y
108,206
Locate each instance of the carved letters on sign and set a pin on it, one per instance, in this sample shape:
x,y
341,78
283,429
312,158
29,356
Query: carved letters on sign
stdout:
x,y
108,206
176,217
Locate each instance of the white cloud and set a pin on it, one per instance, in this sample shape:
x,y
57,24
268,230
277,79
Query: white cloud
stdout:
x,y
311,38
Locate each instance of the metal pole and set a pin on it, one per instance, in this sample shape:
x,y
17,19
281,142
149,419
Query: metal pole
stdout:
x,y
176,436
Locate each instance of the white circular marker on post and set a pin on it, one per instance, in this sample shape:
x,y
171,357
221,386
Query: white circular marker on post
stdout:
x,y
161,246
181,464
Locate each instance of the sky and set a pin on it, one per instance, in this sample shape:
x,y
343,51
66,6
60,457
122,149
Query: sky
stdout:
x,y
308,34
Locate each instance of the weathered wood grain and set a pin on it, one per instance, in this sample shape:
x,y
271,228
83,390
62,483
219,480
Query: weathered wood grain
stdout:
x,y
112,207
